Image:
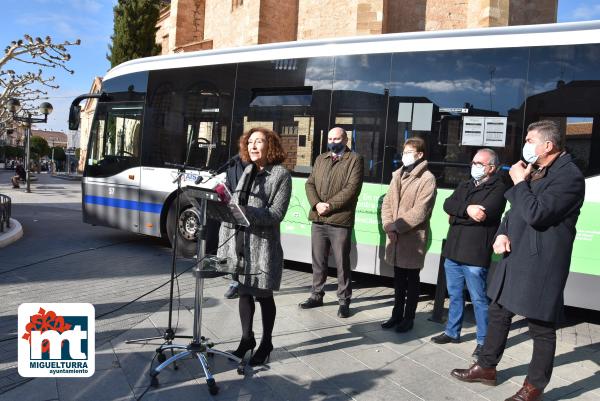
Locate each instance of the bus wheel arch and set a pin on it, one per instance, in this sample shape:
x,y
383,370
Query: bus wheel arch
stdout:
x,y
186,224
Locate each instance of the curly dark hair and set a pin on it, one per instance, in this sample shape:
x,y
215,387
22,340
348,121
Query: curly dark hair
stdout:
x,y
275,152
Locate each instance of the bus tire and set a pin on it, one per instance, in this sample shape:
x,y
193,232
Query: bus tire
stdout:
x,y
186,224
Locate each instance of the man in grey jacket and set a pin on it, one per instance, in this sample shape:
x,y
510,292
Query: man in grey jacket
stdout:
x,y
332,190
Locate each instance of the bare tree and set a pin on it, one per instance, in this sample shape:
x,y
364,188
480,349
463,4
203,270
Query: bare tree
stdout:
x,y
29,86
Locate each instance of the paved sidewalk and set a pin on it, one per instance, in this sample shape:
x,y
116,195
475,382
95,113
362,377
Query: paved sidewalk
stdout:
x,y
319,356
44,190
11,234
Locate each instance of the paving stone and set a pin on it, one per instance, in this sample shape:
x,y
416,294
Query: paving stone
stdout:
x,y
434,387
106,358
135,367
34,390
109,385
298,381
382,389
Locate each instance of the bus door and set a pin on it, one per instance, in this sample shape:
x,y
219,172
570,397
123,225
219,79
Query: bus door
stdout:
x,y
112,171
206,130
447,159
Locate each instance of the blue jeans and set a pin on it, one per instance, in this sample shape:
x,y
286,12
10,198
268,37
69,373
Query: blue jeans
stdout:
x,y
475,277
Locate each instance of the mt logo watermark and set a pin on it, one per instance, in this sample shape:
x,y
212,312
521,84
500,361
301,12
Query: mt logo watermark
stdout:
x,y
56,340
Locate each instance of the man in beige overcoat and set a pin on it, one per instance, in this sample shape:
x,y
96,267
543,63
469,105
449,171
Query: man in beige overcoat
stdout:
x,y
332,190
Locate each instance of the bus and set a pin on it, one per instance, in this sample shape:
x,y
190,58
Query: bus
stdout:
x,y
460,90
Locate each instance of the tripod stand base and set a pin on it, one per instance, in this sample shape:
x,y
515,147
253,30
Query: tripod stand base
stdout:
x,y
200,350
164,337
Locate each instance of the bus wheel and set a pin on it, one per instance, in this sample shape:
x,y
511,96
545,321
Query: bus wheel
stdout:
x,y
187,228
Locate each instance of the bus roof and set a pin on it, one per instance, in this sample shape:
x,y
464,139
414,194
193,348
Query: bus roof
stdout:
x,y
460,39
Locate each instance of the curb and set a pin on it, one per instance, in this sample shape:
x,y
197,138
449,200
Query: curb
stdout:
x,y
67,177
14,233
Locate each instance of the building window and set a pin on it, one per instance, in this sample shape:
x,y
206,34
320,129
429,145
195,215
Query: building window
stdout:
x,y
302,141
236,3
165,45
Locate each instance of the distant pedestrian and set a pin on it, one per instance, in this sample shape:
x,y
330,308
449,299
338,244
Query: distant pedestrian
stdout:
x,y
475,209
536,238
20,175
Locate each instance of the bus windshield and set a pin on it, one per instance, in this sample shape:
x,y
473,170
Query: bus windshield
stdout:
x,y
115,139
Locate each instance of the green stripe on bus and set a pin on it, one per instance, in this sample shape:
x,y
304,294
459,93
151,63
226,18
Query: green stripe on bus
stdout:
x,y
368,230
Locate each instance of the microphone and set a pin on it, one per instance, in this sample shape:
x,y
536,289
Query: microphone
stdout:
x,y
229,163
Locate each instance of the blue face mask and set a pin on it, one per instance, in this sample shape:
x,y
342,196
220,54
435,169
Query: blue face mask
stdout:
x,y
336,147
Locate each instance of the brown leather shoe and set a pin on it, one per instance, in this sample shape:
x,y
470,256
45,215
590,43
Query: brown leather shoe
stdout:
x,y
476,374
527,393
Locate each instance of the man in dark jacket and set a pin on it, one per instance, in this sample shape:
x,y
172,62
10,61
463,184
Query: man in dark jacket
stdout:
x,y
332,190
536,238
475,209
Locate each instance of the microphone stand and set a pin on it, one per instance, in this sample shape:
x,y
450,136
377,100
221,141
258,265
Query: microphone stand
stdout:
x,y
169,334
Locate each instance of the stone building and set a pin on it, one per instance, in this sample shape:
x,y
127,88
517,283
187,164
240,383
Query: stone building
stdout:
x,y
189,25
56,139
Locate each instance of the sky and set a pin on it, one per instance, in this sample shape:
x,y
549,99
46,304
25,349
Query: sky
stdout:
x,y
92,22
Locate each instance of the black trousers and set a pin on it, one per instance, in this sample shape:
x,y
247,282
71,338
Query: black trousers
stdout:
x,y
406,293
542,333
326,238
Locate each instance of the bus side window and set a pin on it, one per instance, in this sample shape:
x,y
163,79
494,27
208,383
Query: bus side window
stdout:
x,y
579,139
292,98
565,83
482,83
359,105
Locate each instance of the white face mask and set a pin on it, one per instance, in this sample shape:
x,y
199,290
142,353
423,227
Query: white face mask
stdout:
x,y
408,159
529,152
477,172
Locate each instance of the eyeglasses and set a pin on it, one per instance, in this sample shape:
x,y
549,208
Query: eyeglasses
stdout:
x,y
409,152
256,141
477,164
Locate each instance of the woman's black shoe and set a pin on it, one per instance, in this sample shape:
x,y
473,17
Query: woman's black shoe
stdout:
x,y
405,325
388,324
246,344
261,356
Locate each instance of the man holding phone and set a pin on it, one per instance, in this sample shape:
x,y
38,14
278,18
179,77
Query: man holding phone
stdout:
x,y
536,238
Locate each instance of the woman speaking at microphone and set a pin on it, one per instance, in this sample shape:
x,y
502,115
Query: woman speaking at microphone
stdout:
x,y
263,192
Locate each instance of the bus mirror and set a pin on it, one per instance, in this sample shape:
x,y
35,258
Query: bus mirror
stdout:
x,y
74,113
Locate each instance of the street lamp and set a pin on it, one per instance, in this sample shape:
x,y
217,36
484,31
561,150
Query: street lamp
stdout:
x,y
52,164
45,108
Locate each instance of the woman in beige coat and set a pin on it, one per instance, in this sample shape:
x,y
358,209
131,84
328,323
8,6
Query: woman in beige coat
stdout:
x,y
405,215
